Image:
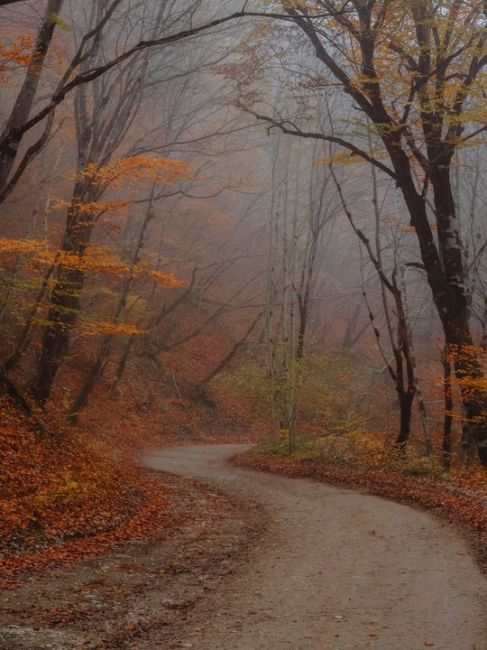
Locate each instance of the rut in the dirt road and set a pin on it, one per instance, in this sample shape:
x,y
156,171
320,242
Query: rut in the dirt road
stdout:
x,y
341,571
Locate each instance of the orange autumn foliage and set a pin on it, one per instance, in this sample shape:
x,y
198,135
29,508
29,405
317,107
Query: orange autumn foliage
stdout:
x,y
95,207
121,329
97,260
72,498
65,487
14,55
141,523
136,169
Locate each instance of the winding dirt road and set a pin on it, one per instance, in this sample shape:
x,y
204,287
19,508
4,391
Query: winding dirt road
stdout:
x,y
338,570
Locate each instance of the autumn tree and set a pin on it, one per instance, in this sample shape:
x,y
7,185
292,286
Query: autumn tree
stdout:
x,y
414,72
24,101
23,120
103,119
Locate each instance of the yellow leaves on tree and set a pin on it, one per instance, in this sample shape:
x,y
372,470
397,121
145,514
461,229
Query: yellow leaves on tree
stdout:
x,y
20,246
468,380
165,279
339,158
415,75
127,172
93,207
110,329
96,260
136,169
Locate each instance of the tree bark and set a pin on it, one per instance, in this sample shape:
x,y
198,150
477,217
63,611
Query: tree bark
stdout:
x,y
406,400
438,138
448,416
66,295
25,99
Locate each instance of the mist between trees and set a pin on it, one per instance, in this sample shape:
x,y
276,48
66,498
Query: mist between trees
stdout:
x,y
276,209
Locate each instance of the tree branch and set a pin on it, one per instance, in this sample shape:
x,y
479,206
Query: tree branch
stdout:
x,y
296,131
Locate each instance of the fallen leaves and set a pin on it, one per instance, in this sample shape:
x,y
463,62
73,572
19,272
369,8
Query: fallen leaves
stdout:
x,y
142,525
70,499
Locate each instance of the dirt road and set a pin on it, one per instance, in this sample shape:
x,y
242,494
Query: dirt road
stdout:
x,y
338,570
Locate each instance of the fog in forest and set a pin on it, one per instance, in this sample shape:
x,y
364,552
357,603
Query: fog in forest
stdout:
x,y
252,219
242,235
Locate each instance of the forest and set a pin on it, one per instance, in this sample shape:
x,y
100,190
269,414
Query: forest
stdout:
x,y
241,221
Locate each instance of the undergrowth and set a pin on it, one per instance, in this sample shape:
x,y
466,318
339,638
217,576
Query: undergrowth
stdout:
x,y
370,453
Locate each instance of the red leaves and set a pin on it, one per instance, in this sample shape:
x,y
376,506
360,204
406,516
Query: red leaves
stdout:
x,y
62,499
142,525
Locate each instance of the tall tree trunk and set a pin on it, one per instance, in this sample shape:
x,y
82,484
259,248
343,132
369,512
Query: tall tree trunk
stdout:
x,y
25,99
122,364
456,320
447,279
104,352
432,147
483,340
23,340
448,416
66,295
302,326
406,400
65,306
90,382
